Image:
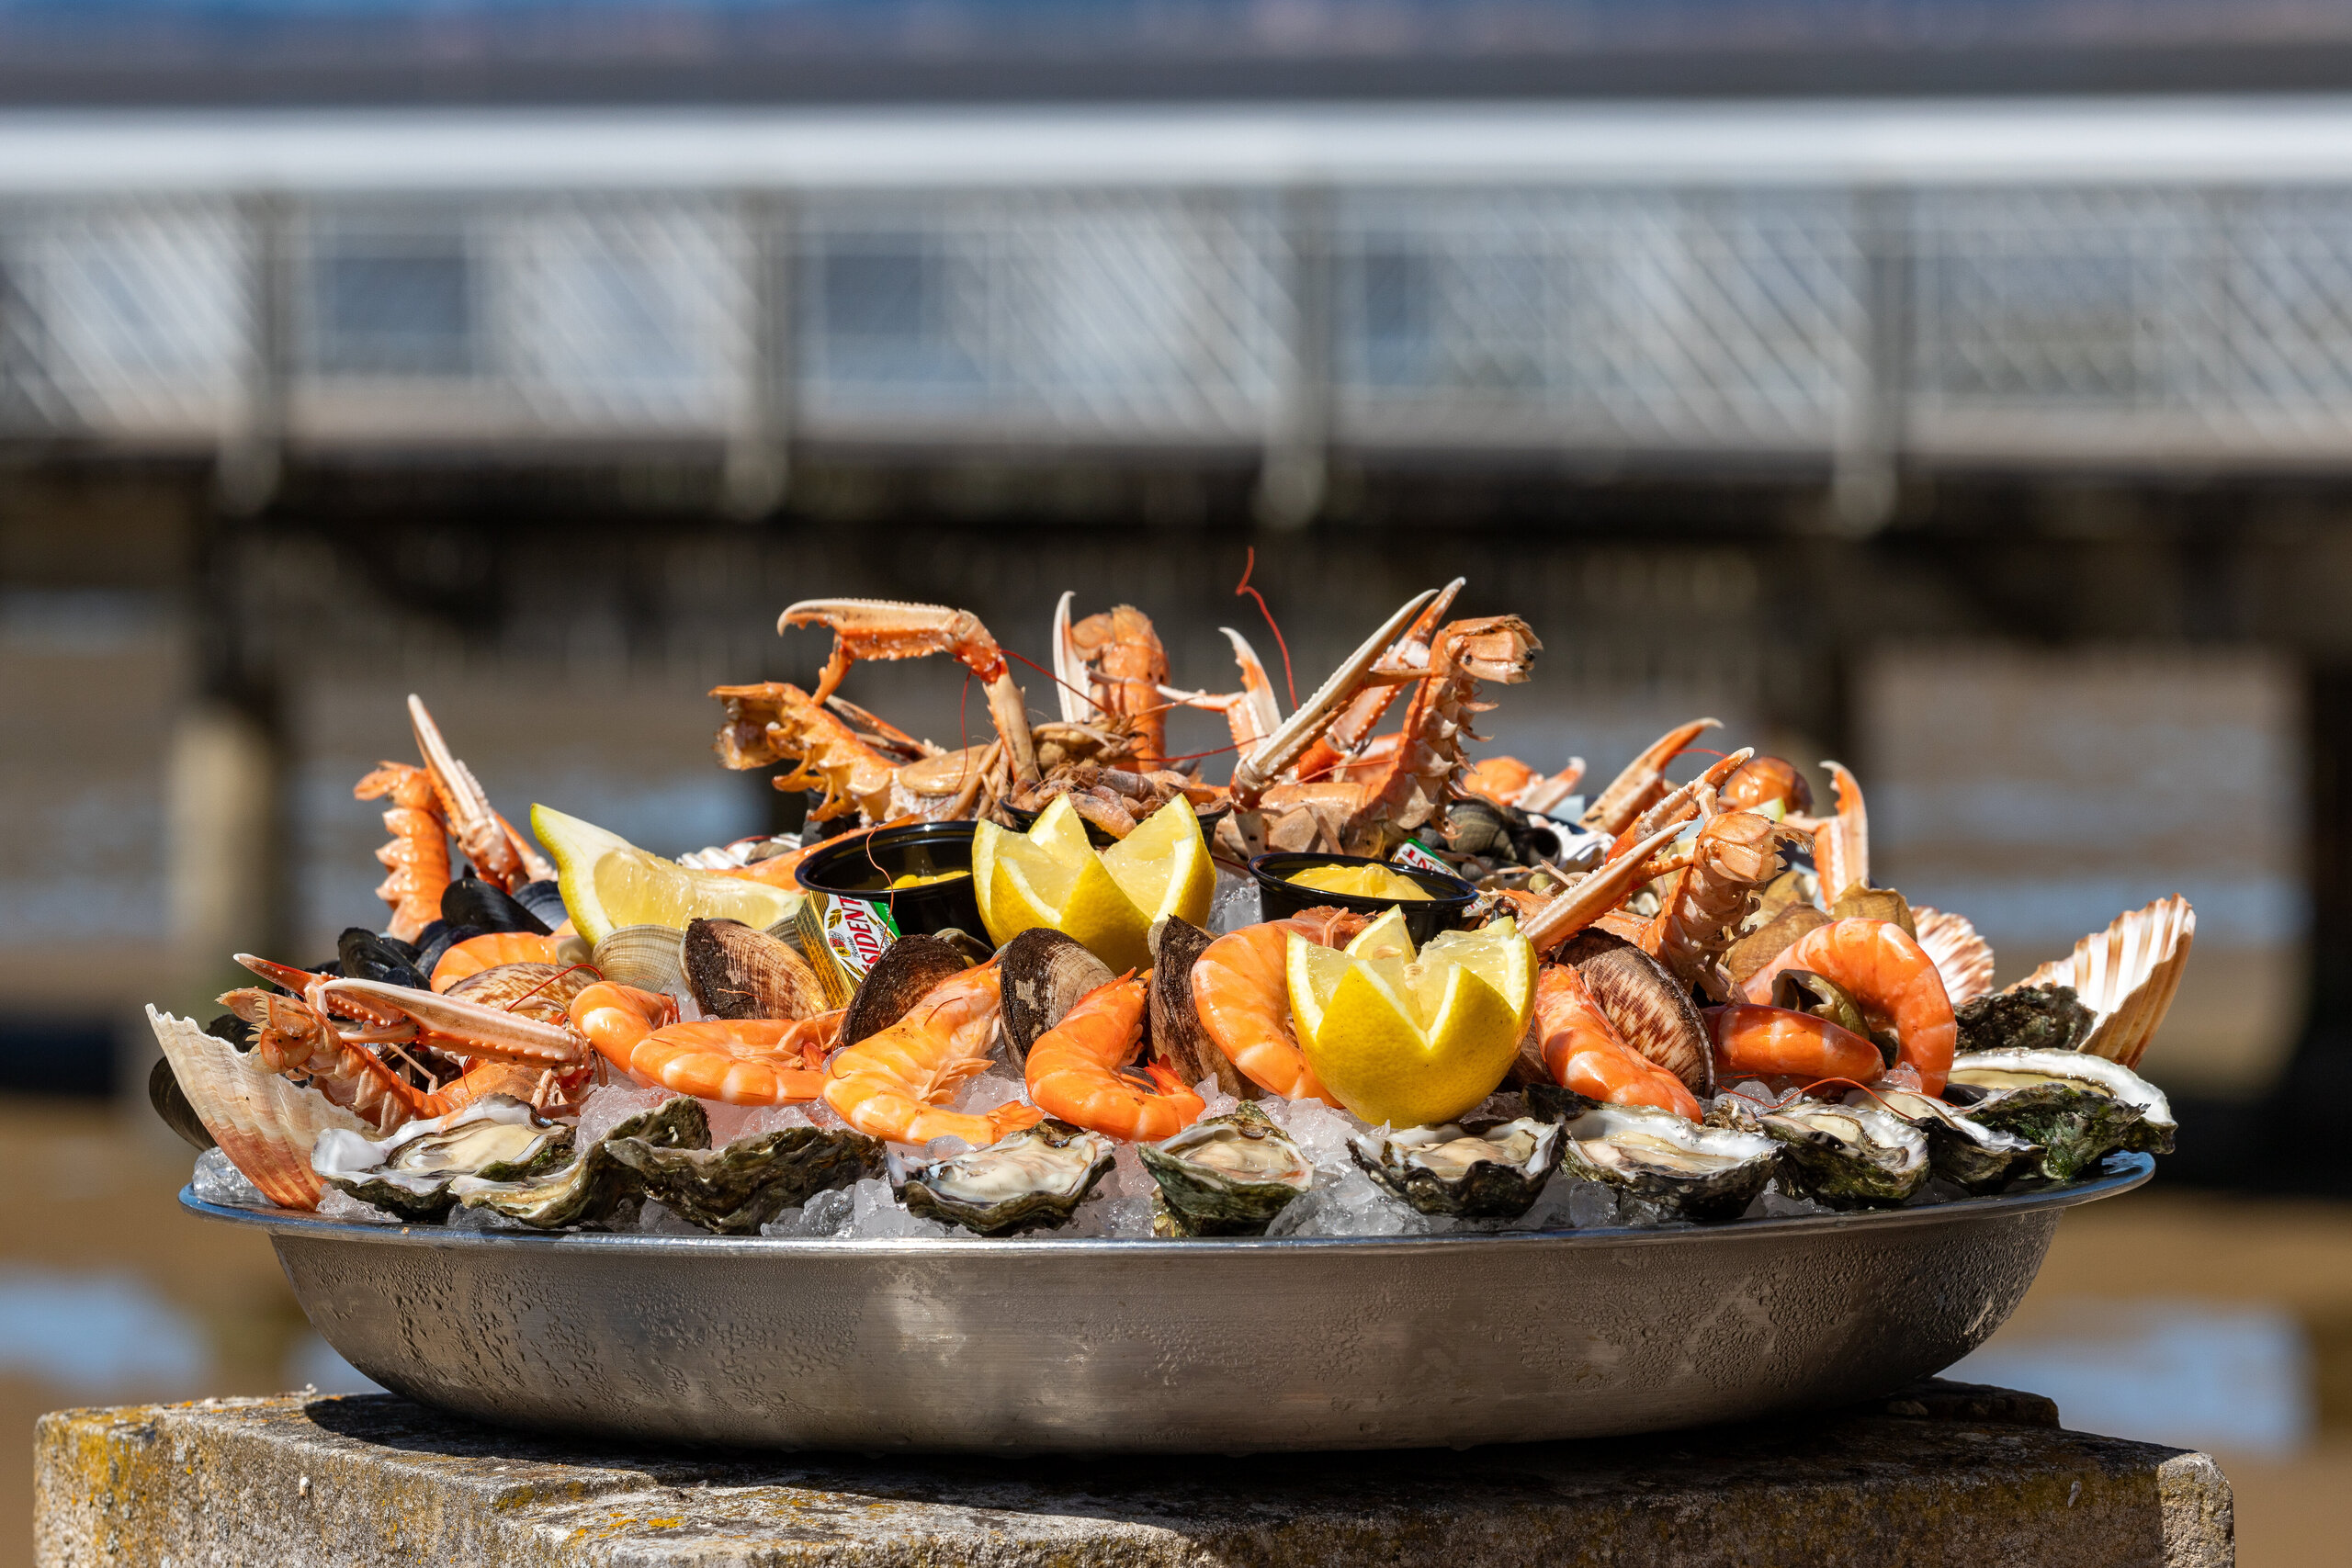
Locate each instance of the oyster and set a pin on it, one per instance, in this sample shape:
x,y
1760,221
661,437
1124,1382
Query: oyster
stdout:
x,y
736,972
1034,1178
1849,1156
1687,1168
737,1189
2078,1107
902,976
1045,974
1228,1175
596,1182
498,1138
1960,1149
1495,1172
2126,975
2024,1018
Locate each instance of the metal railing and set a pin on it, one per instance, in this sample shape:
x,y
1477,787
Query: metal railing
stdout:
x,y
1841,326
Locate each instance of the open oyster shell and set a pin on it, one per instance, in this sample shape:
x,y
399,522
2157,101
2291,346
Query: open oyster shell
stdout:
x,y
1697,1171
498,1138
1960,1149
1034,1178
1849,1156
736,1190
1228,1175
2077,1106
1495,1172
596,1182
2024,1018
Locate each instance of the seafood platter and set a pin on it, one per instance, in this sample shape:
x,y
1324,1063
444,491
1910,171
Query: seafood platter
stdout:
x,y
956,1118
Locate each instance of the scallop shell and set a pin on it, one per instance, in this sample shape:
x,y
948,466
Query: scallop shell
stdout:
x,y
540,991
263,1121
651,958
736,972
902,976
1045,974
2127,975
1650,1010
1964,958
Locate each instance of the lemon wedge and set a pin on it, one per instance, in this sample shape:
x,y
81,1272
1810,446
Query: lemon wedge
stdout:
x,y
608,883
1051,876
1412,1038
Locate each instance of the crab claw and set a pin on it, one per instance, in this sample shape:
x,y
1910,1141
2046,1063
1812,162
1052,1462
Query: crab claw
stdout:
x,y
1636,789
464,1028
1070,682
882,628
1580,906
1294,734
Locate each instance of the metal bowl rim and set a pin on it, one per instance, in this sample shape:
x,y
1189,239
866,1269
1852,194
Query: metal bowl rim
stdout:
x,y
2118,1174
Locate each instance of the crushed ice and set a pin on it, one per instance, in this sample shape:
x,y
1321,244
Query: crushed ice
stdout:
x,y
337,1204
607,1108
218,1181
1234,905
823,1216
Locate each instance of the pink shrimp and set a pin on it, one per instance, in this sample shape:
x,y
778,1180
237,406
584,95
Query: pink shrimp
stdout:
x,y
1767,1042
1242,991
1583,1051
891,1084
1073,1070
749,1060
1891,978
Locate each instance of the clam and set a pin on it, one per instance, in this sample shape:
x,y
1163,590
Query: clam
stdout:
x,y
1045,974
2077,1106
263,1121
498,1138
2025,1018
1960,1149
1177,1037
2126,976
1495,1172
902,976
1962,958
1650,1009
736,972
651,958
736,1190
1034,1178
1696,1171
595,1182
1849,1156
1228,1175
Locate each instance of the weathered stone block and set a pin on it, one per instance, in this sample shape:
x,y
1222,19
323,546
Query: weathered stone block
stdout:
x,y
1943,1474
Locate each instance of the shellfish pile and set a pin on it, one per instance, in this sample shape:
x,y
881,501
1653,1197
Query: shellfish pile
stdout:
x,y
1724,1016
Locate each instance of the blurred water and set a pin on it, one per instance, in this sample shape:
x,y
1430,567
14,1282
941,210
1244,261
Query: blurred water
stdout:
x,y
93,1336
2237,1379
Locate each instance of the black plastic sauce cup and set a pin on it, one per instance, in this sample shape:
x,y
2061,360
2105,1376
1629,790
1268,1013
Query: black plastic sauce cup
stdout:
x,y
865,867
1449,899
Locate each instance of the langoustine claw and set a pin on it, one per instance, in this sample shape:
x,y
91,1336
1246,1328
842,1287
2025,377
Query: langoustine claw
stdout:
x,y
881,628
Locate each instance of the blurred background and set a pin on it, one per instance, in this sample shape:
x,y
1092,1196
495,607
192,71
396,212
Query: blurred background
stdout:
x,y
1960,389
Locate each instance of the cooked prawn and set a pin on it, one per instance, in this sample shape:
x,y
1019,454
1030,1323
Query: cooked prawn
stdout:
x,y
892,1084
1583,1051
477,953
1074,1074
753,1061
1782,1042
1242,991
1891,978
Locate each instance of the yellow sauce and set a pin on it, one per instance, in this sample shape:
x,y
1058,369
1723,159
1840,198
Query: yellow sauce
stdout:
x,y
1360,882
924,879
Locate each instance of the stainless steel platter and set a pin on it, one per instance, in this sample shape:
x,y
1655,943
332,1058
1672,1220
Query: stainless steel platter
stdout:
x,y
1231,1346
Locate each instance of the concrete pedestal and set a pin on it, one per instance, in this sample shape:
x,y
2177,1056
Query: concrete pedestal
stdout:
x,y
1943,1474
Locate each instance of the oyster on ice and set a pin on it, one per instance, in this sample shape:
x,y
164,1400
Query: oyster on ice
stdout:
x,y
1490,1170
1034,1178
595,1182
1228,1175
498,1138
1960,1149
1689,1168
1849,1156
2078,1107
736,1190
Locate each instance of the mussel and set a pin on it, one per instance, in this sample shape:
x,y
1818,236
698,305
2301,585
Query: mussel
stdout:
x,y
1033,1180
498,1138
368,957
1227,1175
1478,1170
470,901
